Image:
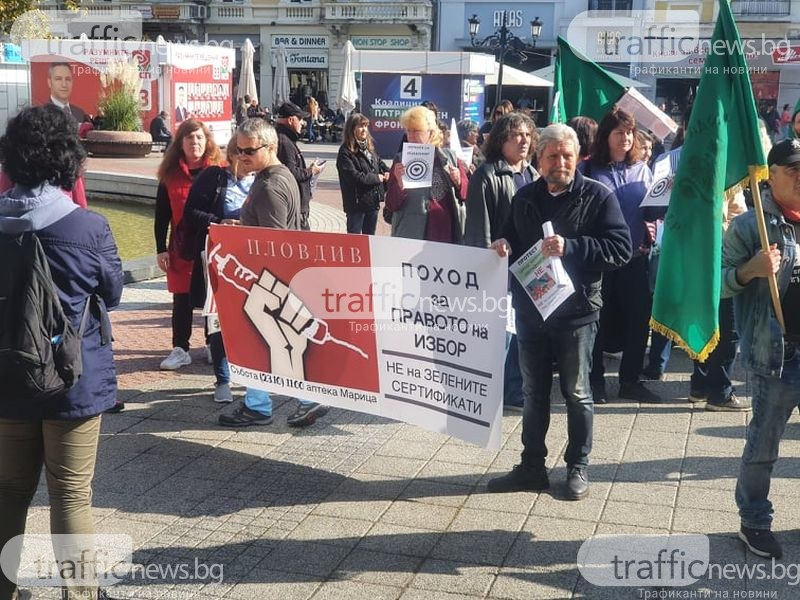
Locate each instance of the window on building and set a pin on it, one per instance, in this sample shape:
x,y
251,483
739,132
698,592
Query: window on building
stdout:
x,y
608,43
705,8
610,4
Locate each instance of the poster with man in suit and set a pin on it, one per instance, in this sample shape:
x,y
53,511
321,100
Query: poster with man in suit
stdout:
x,y
60,83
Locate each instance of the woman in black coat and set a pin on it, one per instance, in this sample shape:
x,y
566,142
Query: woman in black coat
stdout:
x,y
362,176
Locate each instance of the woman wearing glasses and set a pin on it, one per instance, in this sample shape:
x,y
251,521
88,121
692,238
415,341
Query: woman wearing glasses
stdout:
x,y
362,176
499,111
216,196
192,151
434,213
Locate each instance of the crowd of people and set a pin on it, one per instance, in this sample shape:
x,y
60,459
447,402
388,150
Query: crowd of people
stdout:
x,y
588,179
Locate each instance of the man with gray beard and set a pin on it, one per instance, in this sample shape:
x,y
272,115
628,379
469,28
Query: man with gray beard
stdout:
x,y
591,237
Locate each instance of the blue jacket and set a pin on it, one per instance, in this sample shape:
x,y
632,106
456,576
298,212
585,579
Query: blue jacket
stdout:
x,y
83,260
760,336
630,184
596,240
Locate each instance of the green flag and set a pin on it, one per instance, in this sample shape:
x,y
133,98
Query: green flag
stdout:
x,y
581,87
722,149
557,109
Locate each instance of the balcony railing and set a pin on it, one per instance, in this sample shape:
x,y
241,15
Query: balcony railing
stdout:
x,y
298,13
230,14
771,8
378,12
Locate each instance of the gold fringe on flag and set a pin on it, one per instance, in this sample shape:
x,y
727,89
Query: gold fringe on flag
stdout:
x,y
701,356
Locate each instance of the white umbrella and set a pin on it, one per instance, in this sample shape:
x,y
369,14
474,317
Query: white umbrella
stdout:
x,y
247,78
348,94
280,81
515,77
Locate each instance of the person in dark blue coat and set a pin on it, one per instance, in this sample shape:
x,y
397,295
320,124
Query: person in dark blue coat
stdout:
x,y
592,240
41,154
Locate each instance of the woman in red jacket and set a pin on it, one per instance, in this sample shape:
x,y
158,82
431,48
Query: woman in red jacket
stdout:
x,y
192,151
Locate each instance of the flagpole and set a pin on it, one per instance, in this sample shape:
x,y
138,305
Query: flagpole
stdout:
x,y
762,234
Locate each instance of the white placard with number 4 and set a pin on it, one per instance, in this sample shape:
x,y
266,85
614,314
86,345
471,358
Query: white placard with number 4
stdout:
x,y
410,87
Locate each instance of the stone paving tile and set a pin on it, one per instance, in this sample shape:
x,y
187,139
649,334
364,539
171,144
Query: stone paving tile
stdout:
x,y
354,590
464,454
710,499
419,514
370,566
645,493
286,586
331,530
426,595
314,560
650,471
644,515
396,539
618,529
406,449
461,474
518,502
493,533
552,504
392,467
534,583
699,520
454,577
436,492
365,510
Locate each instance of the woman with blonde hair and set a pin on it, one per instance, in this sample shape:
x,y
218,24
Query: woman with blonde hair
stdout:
x,y
192,151
434,213
312,107
216,196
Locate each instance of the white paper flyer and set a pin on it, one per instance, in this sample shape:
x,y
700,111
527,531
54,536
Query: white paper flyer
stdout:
x,y
543,277
418,161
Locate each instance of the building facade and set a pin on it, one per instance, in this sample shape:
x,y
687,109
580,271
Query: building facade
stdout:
x,y
312,31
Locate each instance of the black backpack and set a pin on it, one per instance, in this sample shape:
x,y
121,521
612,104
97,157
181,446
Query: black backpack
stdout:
x,y
40,350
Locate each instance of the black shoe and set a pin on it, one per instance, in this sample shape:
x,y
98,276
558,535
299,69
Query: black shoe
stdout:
x,y
696,396
520,479
577,483
635,390
244,417
599,394
652,374
732,404
117,408
306,414
761,542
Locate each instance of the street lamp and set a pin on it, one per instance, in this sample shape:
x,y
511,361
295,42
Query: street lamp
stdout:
x,y
503,42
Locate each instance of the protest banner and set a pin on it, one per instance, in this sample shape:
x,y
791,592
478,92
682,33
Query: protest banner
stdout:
x,y
404,329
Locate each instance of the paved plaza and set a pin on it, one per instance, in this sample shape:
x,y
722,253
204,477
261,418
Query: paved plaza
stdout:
x,y
361,507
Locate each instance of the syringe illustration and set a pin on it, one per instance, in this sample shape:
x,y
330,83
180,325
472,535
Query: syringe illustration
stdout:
x,y
281,318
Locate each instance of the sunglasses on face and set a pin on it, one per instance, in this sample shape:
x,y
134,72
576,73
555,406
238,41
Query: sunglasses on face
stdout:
x,y
249,151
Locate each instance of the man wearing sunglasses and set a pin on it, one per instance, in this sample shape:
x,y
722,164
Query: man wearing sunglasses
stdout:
x,y
273,201
289,126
